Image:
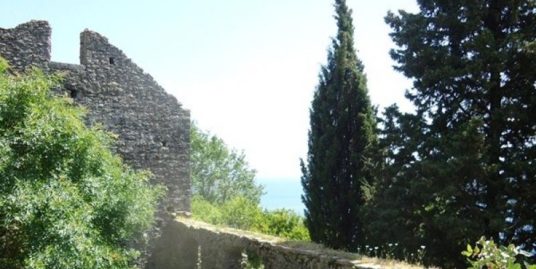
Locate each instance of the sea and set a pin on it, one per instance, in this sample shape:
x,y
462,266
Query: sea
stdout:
x,y
282,193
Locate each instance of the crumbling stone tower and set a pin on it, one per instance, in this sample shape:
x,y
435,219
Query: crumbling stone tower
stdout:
x,y
152,127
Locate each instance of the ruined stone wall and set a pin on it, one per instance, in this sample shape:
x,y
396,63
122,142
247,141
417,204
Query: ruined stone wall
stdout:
x,y
152,127
26,45
223,248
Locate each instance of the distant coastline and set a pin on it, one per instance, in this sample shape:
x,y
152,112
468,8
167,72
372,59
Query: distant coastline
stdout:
x,y
282,193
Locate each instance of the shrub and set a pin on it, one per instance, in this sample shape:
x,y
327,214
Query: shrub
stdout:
x,y
206,211
238,212
242,213
486,254
284,223
65,200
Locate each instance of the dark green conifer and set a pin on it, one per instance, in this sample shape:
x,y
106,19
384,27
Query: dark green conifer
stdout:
x,y
472,169
341,142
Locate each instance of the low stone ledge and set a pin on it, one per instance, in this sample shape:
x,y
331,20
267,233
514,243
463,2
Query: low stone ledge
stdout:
x,y
223,247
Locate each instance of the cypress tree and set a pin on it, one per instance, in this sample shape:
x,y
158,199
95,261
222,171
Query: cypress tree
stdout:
x,y
341,142
473,170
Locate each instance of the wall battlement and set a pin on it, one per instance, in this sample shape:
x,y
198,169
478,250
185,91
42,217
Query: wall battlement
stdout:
x,y
27,44
153,128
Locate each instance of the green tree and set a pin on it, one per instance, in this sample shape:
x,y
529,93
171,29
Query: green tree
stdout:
x,y
65,200
392,213
225,192
342,138
471,170
220,173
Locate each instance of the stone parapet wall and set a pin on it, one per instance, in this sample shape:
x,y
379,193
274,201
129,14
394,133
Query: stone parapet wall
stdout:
x,y
192,243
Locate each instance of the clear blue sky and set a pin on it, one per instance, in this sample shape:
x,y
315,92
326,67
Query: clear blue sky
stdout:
x,y
246,69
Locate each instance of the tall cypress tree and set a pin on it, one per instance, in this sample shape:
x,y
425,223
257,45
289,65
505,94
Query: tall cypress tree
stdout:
x,y
341,142
474,169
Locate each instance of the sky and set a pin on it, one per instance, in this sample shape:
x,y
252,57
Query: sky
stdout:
x,y
246,69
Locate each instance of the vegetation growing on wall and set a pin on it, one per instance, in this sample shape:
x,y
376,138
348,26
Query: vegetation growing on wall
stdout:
x,y
65,200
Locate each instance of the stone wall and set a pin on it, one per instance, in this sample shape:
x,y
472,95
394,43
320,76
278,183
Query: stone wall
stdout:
x,y
223,248
152,127
26,45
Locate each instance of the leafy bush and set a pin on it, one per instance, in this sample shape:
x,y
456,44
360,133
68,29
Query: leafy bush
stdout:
x,y
242,213
219,173
486,254
206,211
65,200
284,223
238,212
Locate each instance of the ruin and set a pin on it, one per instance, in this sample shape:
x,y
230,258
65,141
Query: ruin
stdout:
x,y
153,129
154,133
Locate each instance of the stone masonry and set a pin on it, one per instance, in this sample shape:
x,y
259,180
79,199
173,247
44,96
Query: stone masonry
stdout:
x,y
152,127
225,248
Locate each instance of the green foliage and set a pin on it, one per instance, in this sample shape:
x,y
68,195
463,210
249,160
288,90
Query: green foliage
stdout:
x,y
241,213
462,165
218,173
65,200
238,212
486,254
206,211
3,65
391,214
225,192
342,141
531,47
284,223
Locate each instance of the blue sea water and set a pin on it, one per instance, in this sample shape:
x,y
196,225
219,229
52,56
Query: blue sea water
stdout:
x,y
282,193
